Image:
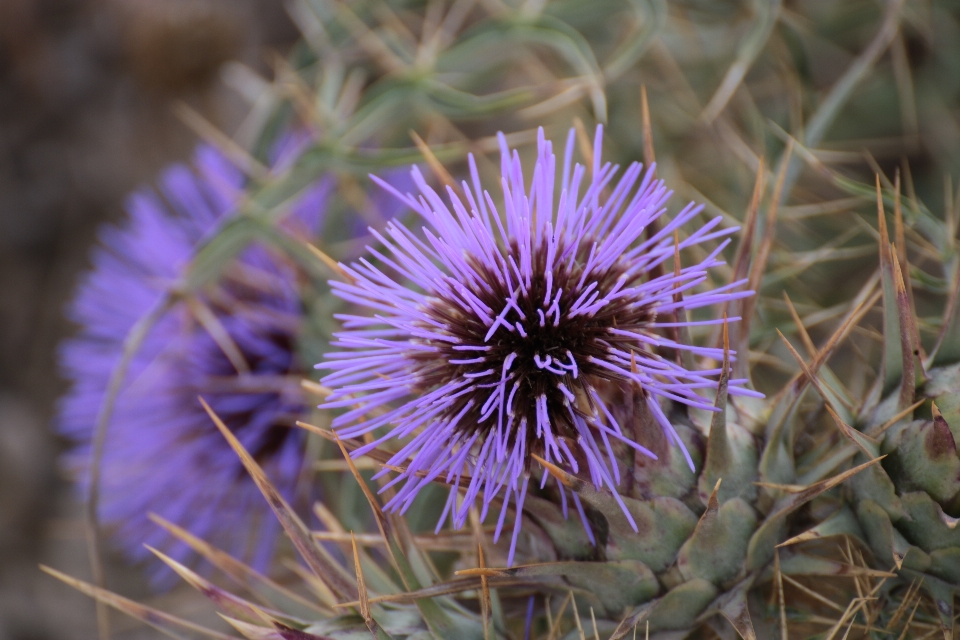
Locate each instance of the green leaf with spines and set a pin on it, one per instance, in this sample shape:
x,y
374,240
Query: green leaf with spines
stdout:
x,y
679,607
669,476
664,524
943,387
826,464
568,536
887,543
926,460
716,549
610,586
731,451
731,457
777,464
924,525
875,485
841,523
892,365
733,606
761,549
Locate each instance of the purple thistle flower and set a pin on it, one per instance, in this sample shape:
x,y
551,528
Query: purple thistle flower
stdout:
x,y
162,453
495,334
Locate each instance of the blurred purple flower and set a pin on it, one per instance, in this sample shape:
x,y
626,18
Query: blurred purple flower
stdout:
x,y
162,453
493,336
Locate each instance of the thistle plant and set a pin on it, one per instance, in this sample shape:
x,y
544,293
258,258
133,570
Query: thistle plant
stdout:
x,y
502,346
542,355
673,531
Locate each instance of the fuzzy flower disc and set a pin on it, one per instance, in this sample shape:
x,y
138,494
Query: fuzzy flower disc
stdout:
x,y
492,336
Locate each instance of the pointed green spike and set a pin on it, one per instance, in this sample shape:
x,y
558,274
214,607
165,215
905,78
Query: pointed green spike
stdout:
x,y
777,464
833,392
893,363
734,607
716,549
720,455
776,467
880,413
866,444
762,544
827,464
841,523
731,450
913,375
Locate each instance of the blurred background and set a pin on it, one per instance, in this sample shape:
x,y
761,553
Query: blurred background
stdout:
x,y
89,92
87,95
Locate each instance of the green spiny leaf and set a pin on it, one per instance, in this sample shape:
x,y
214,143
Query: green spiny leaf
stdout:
x,y
717,547
924,523
678,608
942,388
927,460
887,543
841,523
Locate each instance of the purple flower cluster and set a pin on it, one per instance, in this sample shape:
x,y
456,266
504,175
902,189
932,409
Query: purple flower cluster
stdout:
x,y
235,345
492,336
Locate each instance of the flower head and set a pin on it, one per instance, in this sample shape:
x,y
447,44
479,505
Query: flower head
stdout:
x,y
493,336
235,345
